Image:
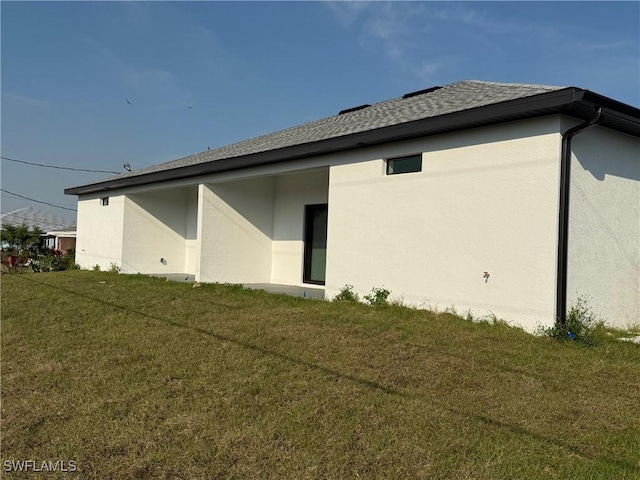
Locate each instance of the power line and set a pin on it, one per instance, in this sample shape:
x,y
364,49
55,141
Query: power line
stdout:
x,y
57,167
64,204
37,201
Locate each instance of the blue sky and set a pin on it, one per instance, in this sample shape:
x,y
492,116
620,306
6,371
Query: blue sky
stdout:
x,y
206,74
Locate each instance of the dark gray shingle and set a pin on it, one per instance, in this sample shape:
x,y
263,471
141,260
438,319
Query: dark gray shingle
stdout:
x,y
451,98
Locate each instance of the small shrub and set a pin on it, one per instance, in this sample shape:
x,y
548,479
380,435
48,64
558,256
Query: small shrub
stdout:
x,y
96,268
234,287
469,316
399,302
347,295
378,297
581,325
452,310
491,319
69,260
53,260
113,268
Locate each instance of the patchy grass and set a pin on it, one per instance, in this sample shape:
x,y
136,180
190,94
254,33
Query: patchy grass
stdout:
x,y
135,377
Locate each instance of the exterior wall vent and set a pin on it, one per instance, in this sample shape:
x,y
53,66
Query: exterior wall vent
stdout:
x,y
420,92
354,109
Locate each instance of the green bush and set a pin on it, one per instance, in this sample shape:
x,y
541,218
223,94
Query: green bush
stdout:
x,y
581,325
378,297
234,287
21,240
53,261
347,295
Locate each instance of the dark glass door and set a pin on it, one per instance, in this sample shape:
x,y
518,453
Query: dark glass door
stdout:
x,y
315,244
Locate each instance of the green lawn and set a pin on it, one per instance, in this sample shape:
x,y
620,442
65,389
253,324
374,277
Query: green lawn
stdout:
x,y
134,377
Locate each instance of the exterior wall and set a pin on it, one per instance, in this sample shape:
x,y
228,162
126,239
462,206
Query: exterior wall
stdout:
x,y
191,250
292,193
99,231
485,200
155,228
604,224
235,227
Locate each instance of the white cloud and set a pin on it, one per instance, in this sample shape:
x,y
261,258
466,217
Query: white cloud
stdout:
x,y
212,54
437,42
151,85
427,71
609,46
137,14
458,13
148,78
348,12
397,30
26,100
104,54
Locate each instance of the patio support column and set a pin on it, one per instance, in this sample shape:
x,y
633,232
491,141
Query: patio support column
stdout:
x,y
200,220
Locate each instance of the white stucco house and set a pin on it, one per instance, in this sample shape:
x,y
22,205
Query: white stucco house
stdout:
x,y
504,199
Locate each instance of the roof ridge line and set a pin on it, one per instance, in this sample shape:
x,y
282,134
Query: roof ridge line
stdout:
x,y
513,84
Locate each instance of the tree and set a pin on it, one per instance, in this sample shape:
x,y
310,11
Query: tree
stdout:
x,y
20,240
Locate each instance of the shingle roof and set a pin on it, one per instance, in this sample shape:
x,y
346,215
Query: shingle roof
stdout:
x,y
33,217
455,97
465,104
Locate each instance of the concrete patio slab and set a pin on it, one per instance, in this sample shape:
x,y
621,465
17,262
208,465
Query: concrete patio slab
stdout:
x,y
292,290
176,277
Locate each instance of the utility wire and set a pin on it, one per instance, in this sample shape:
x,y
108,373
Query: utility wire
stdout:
x,y
63,204
37,201
57,167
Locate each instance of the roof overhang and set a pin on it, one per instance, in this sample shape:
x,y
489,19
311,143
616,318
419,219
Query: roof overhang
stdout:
x,y
570,101
60,233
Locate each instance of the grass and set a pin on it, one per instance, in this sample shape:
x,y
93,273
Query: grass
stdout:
x,y
135,377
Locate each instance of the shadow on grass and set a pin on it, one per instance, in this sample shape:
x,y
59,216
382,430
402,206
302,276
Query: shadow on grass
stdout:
x,y
576,450
223,338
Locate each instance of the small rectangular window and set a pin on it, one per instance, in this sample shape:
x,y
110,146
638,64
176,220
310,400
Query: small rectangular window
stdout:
x,y
412,163
104,201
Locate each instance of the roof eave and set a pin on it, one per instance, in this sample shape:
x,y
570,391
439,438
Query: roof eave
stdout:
x,y
544,104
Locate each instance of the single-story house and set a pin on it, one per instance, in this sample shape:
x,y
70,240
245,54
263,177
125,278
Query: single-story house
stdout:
x,y
58,233
494,198
63,239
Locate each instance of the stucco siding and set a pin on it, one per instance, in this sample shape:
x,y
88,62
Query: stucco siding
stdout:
x,y
292,193
485,200
155,231
191,250
604,224
236,221
99,231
